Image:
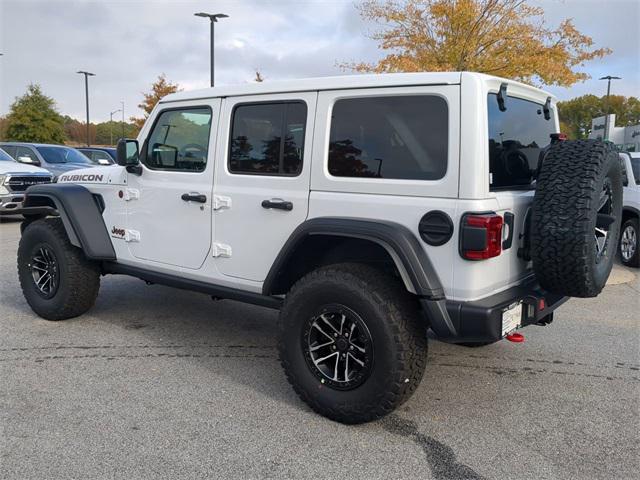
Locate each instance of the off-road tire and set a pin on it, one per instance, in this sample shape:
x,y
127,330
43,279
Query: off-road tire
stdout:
x,y
398,336
634,261
564,215
79,278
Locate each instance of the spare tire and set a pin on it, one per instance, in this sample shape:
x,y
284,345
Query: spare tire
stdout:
x,y
576,213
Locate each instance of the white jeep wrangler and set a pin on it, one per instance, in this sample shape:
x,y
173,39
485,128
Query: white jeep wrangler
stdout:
x,y
366,208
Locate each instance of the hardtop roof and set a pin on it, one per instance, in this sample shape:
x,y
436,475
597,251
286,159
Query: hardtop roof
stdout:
x,y
320,83
343,82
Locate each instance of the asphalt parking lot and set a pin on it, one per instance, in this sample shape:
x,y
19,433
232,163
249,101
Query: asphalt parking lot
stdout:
x,y
161,383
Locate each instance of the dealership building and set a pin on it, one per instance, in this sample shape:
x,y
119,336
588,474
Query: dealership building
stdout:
x,y
625,138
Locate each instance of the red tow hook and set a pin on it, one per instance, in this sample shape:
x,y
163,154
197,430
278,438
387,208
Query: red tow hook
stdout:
x,y
515,337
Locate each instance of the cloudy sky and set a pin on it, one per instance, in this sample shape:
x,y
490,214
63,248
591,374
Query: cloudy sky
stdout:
x,y
128,43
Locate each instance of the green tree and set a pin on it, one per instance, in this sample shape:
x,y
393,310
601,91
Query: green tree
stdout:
x,y
34,118
106,131
576,114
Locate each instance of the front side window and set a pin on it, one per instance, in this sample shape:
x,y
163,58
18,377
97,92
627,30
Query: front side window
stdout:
x,y
268,138
389,137
517,137
25,153
179,140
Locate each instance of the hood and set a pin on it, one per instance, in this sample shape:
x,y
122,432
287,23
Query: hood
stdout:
x,y
16,167
67,167
108,174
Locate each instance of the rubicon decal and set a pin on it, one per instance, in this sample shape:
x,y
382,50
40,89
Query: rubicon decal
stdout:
x,y
117,232
81,178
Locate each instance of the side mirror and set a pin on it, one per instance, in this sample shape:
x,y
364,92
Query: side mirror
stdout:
x,y
103,161
127,152
29,160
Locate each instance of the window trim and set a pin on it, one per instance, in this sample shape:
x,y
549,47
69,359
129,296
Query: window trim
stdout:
x,y
399,181
145,145
268,102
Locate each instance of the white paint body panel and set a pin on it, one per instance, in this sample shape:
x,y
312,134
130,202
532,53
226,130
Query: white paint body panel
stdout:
x,y
256,235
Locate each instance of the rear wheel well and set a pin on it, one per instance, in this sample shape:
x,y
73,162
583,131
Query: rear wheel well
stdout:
x,y
320,250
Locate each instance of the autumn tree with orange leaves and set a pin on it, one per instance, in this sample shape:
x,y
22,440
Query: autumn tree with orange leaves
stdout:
x,y
507,38
160,88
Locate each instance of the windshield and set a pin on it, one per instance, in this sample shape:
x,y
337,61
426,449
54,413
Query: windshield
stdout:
x,y
516,138
4,157
63,155
635,166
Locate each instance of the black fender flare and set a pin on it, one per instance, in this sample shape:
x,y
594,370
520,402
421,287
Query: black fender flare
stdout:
x,y
413,263
80,213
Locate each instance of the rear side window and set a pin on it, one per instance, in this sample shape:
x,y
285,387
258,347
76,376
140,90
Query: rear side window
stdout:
x,y
389,137
268,138
517,137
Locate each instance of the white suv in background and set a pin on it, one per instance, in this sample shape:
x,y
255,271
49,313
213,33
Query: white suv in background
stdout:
x,y
630,234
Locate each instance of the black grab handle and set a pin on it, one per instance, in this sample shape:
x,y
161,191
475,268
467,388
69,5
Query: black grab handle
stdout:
x,y
279,204
194,197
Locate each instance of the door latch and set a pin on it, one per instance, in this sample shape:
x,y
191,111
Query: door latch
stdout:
x,y
220,202
131,236
131,194
221,250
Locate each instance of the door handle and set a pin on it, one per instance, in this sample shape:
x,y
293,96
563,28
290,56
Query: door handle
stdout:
x,y
277,203
194,197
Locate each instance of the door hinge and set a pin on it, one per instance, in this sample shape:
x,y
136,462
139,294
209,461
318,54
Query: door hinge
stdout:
x,y
131,194
221,250
220,202
131,236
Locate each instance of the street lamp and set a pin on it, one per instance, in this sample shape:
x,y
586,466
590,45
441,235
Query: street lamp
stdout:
x,y
122,103
213,18
608,78
111,125
86,95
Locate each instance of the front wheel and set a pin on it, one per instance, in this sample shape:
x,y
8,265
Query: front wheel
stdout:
x,y
351,342
57,280
629,243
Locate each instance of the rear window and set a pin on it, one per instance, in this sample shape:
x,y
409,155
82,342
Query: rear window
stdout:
x,y
516,138
389,137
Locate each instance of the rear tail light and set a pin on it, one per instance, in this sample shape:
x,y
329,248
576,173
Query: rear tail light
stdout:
x,y
558,137
481,236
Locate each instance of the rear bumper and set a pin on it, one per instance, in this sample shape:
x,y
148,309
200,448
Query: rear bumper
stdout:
x,y
482,320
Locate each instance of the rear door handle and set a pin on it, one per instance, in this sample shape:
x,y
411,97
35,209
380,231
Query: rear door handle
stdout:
x,y
508,221
194,197
277,203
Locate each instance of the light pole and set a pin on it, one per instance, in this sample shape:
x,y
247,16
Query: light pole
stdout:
x,y
608,78
213,17
86,94
111,126
122,103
